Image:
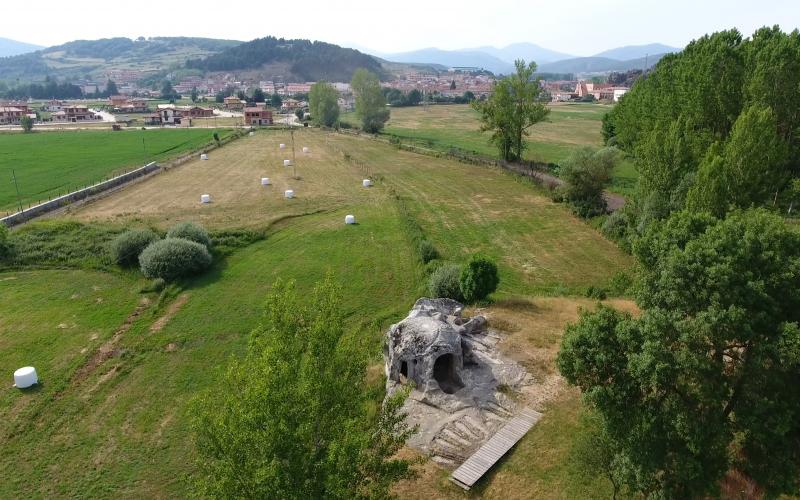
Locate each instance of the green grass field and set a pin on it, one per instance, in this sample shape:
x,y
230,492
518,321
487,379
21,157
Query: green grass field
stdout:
x,y
120,427
49,163
569,126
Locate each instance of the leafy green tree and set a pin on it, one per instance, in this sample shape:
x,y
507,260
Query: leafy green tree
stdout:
x,y
26,122
479,278
681,136
414,97
291,418
275,100
219,96
258,95
167,92
468,96
370,102
194,95
323,101
5,246
514,107
585,173
749,170
452,85
705,379
111,88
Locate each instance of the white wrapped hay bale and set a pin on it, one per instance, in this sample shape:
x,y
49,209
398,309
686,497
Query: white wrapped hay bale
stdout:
x,y
265,181
288,193
204,156
306,149
287,163
366,183
282,146
251,134
25,377
205,198
349,219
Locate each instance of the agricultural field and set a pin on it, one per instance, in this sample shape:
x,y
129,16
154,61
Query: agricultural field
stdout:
x,y
47,164
569,126
120,367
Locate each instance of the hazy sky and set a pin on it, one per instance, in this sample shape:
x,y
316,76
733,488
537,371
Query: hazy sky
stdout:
x,y
580,27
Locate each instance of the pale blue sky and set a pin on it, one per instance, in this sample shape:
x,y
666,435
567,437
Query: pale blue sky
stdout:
x,y
580,27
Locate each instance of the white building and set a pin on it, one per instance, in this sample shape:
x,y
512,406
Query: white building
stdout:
x,y
619,93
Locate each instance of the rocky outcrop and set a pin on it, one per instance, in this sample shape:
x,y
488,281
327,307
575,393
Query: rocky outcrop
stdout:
x,y
459,382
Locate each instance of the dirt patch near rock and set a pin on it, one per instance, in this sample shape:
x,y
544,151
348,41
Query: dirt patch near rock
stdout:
x,y
173,309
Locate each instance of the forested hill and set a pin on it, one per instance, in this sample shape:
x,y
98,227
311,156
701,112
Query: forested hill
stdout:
x,y
80,58
304,60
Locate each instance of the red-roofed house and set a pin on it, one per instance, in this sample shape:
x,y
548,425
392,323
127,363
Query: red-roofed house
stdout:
x,y
257,116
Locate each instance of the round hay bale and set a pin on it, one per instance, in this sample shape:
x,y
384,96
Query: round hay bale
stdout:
x,y
205,198
366,183
306,149
288,193
287,163
25,377
282,146
251,134
349,219
204,156
265,181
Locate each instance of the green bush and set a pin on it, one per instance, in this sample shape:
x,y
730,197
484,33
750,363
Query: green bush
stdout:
x,y
427,252
596,292
478,279
173,258
156,285
192,232
620,284
126,247
4,244
445,282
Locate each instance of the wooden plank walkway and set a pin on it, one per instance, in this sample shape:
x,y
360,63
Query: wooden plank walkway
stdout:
x,y
487,455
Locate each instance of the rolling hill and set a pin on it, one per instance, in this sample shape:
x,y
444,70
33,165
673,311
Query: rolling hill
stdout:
x,y
80,58
9,47
301,60
629,52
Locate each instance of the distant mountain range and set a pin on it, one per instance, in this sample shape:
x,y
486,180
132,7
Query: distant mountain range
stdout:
x,y
501,60
10,47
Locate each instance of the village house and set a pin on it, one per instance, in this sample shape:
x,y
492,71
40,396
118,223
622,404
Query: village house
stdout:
x,y
117,101
257,116
196,112
53,105
233,102
10,115
75,113
291,104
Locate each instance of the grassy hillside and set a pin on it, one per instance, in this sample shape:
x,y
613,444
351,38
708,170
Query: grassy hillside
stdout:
x,y
49,163
118,425
95,57
569,126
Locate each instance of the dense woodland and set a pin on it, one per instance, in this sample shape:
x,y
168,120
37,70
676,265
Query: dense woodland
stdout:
x,y
310,61
714,127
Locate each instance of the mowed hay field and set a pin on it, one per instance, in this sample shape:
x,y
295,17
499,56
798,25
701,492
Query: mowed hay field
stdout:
x,y
568,126
120,368
47,164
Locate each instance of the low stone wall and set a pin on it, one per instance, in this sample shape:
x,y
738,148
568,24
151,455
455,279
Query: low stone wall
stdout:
x,y
81,194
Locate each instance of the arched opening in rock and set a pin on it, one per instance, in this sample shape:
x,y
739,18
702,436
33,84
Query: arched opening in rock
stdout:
x,y
403,371
444,371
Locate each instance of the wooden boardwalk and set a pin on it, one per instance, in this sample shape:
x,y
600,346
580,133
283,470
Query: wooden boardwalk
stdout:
x,y
487,455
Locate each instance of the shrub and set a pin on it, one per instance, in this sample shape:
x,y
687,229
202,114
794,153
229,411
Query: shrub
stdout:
x,y
173,258
126,247
596,292
192,232
4,244
445,282
427,252
478,279
620,284
156,285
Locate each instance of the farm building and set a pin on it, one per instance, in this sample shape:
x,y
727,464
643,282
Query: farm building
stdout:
x,y
257,116
117,101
